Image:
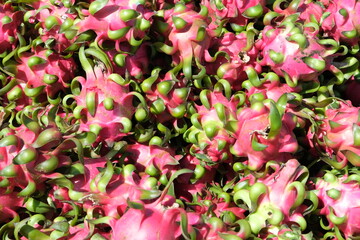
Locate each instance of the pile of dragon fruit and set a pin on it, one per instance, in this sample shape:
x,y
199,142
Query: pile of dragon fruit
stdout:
x,y
179,119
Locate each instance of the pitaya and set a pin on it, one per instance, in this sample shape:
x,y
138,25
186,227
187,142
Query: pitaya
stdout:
x,y
54,24
238,13
338,135
295,53
305,11
118,21
104,104
167,95
212,134
40,75
154,160
241,63
339,203
10,21
264,132
187,37
341,21
276,198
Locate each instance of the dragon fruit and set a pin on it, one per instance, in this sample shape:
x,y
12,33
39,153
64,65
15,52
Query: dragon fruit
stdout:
x,y
118,21
338,135
305,11
165,211
188,37
284,232
154,160
23,157
238,13
166,95
41,75
9,204
141,222
264,132
270,86
128,63
294,53
336,201
178,119
10,19
211,134
276,198
54,24
242,54
102,187
104,104
341,21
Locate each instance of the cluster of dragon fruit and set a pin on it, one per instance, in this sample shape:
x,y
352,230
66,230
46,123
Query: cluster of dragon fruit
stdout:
x,y
179,119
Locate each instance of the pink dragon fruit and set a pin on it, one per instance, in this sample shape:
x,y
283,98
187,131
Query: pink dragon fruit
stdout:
x,y
9,204
27,152
234,11
101,187
276,198
54,24
10,21
154,160
187,37
189,185
338,135
104,104
166,95
342,21
128,63
264,132
293,53
285,232
41,74
211,134
337,196
140,218
242,55
140,224
118,21
305,11
270,86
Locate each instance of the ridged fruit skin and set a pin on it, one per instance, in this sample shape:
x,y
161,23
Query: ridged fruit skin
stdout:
x,y
293,53
338,197
253,125
338,134
276,198
111,121
10,21
211,135
342,21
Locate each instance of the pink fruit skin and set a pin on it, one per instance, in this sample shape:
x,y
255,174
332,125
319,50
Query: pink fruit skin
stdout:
x,y
55,64
340,136
279,148
347,205
110,121
232,9
336,24
9,203
8,30
276,39
155,221
240,59
151,224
